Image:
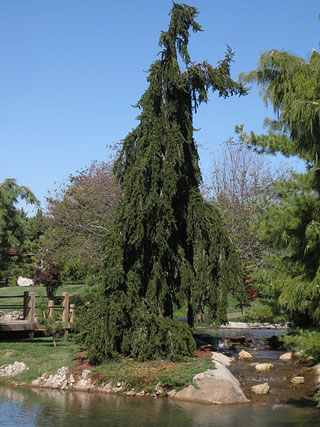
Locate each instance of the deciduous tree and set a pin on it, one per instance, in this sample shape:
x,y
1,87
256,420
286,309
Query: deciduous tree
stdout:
x,y
79,214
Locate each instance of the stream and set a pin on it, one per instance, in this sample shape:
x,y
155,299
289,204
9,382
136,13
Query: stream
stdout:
x,y
285,405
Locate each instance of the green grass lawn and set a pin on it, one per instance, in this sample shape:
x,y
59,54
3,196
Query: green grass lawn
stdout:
x,y
38,354
145,375
233,311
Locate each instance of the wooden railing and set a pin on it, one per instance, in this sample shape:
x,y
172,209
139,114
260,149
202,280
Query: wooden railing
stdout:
x,y
29,307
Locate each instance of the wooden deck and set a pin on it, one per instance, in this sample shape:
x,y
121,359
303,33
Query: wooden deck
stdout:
x,y
24,325
29,323
19,326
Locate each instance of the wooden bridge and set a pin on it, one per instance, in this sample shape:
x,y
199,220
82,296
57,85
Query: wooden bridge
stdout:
x,y
29,322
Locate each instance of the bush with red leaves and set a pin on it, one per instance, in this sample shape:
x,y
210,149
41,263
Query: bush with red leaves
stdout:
x,y
49,276
251,293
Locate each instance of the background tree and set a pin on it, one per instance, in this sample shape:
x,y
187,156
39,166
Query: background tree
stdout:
x,y
167,245
49,275
79,214
13,226
292,86
242,184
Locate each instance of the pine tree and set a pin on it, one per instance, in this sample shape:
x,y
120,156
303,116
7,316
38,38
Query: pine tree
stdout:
x,y
292,86
13,223
168,245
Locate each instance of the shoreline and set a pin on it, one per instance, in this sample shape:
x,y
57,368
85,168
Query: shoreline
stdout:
x,y
208,381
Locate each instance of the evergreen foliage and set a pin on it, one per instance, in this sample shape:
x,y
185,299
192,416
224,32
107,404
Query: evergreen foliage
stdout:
x,y
15,230
167,245
292,225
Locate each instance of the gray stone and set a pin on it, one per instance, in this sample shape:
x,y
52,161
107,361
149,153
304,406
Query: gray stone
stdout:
x,y
107,388
216,386
317,370
286,356
58,379
12,315
24,281
84,384
263,367
158,389
245,355
14,368
219,357
261,388
172,393
297,380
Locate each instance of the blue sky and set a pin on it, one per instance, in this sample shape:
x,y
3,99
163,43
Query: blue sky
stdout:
x,y
70,71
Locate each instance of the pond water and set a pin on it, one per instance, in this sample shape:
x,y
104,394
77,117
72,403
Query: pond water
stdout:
x,y
45,407
35,407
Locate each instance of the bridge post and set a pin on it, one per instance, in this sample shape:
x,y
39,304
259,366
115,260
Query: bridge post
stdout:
x,y
31,307
25,305
72,313
50,308
65,305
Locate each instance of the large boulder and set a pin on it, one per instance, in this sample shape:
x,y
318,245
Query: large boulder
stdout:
x,y
222,358
23,281
216,386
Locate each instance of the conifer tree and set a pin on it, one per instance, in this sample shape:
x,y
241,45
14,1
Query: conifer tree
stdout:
x,y
13,222
292,86
168,246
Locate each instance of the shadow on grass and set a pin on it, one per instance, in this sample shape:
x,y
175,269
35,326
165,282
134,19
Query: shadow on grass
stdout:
x,y
45,341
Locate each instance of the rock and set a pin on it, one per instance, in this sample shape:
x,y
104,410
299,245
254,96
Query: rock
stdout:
x,y
172,393
85,374
84,384
245,355
260,388
58,379
213,386
297,380
219,357
317,369
64,384
158,389
12,315
141,394
243,325
108,388
263,367
131,393
286,356
14,368
117,388
23,281
71,379
37,382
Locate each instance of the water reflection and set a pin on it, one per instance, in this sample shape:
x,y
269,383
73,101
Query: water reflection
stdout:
x,y
44,407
